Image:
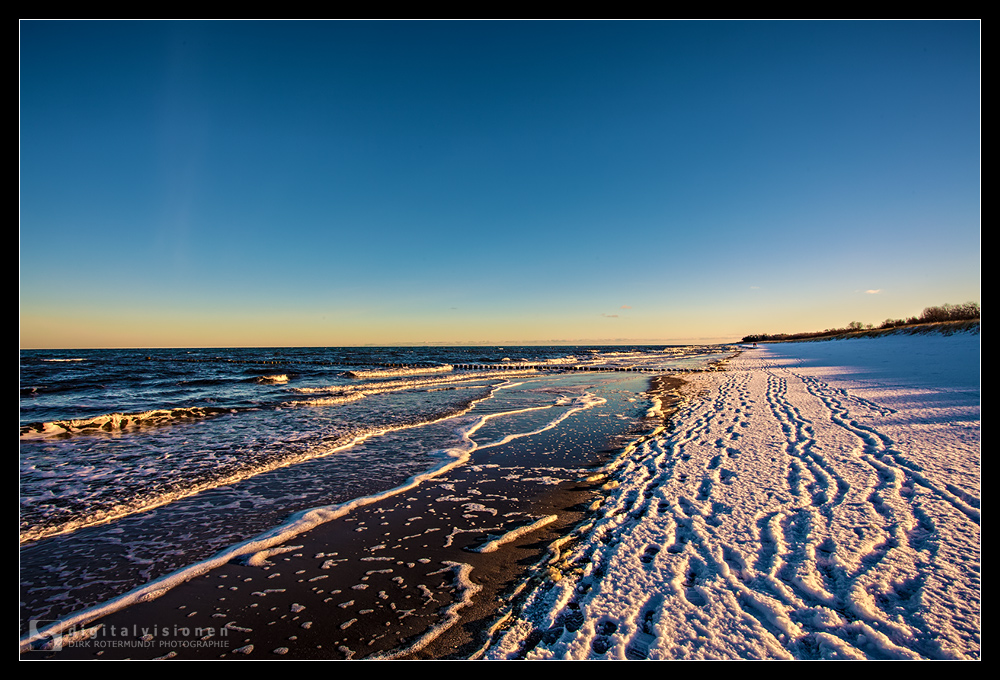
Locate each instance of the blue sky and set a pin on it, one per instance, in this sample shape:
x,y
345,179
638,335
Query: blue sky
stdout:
x,y
344,183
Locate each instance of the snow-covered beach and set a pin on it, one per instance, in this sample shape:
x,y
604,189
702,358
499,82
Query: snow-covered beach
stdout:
x,y
816,500
811,500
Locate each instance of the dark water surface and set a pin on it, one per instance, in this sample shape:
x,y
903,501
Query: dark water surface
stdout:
x,y
135,463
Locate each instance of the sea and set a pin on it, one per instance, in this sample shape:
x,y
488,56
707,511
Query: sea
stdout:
x,y
135,463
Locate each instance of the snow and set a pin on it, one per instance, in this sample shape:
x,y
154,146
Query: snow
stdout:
x,y
814,501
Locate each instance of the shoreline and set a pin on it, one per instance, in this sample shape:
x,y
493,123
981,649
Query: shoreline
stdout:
x,y
478,623
816,501
273,583
811,501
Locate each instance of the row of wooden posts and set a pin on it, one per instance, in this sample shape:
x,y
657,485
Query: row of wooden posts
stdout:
x,y
511,366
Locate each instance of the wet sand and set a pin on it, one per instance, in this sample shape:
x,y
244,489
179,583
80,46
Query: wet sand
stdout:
x,y
424,573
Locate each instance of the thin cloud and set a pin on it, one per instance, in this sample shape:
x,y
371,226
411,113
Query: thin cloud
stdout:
x,y
873,291
609,316
625,307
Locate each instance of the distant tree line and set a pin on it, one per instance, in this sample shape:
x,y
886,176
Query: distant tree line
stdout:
x,y
965,312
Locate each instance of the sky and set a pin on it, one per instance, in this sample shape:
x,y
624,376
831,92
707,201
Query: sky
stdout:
x,y
341,183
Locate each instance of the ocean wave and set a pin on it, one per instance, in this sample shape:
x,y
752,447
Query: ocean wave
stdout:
x,y
108,505
331,400
259,547
383,386
278,379
117,422
392,372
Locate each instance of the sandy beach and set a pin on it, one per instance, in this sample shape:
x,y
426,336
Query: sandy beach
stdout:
x,y
813,500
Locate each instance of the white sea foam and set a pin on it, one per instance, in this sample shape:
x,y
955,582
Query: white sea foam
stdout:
x,y
278,379
467,590
515,534
393,372
145,502
383,386
116,422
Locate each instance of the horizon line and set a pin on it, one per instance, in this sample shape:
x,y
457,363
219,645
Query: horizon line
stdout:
x,y
603,342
